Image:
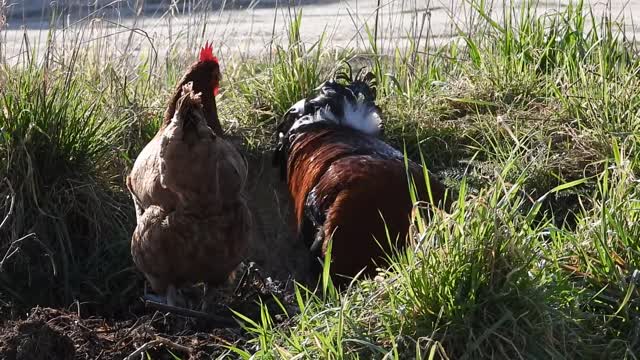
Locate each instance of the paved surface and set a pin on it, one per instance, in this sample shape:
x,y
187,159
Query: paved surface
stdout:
x,y
244,27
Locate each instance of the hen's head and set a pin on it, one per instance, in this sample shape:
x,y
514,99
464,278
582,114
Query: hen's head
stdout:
x,y
209,62
204,74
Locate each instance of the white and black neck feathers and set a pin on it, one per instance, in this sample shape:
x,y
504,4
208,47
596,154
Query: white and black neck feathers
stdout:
x,y
351,106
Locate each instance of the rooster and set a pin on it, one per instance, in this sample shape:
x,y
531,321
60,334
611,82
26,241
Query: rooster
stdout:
x,y
188,188
345,183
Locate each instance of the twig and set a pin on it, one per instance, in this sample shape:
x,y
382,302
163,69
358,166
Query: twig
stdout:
x,y
138,31
158,341
129,331
221,322
14,248
10,212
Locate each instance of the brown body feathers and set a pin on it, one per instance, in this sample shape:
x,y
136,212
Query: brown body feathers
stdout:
x,y
188,186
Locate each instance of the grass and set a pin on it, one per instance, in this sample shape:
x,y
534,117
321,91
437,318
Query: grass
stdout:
x,y
58,168
533,118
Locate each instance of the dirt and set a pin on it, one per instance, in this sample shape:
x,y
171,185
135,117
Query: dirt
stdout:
x,y
52,334
35,339
61,334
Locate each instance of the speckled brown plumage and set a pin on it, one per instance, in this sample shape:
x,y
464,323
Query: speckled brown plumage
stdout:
x,y
188,185
144,179
183,248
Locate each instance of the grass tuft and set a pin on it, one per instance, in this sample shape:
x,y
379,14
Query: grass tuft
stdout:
x,y
61,169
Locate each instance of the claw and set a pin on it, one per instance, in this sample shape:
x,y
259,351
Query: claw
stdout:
x,y
172,295
155,298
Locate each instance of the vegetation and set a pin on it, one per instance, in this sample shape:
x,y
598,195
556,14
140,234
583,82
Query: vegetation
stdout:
x,y
533,119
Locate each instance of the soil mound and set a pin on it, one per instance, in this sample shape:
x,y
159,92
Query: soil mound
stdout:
x,y
67,334
35,339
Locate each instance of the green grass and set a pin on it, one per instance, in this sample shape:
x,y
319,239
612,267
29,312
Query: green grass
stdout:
x,y
533,119
58,167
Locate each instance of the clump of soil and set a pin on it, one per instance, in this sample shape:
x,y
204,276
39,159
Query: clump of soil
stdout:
x,y
34,339
61,334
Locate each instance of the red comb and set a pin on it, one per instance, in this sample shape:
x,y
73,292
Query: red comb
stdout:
x,y
206,53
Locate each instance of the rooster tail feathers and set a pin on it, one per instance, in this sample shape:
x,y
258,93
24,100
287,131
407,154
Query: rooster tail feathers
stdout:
x,y
350,100
362,84
346,100
352,105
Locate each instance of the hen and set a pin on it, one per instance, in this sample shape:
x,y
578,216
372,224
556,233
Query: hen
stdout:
x,y
345,183
188,187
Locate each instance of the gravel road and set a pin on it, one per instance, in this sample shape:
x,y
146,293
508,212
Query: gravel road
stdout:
x,y
245,28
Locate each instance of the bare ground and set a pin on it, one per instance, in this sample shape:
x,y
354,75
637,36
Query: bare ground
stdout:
x,y
65,334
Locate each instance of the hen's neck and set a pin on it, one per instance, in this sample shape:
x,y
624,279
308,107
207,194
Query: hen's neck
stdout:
x,y
201,84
